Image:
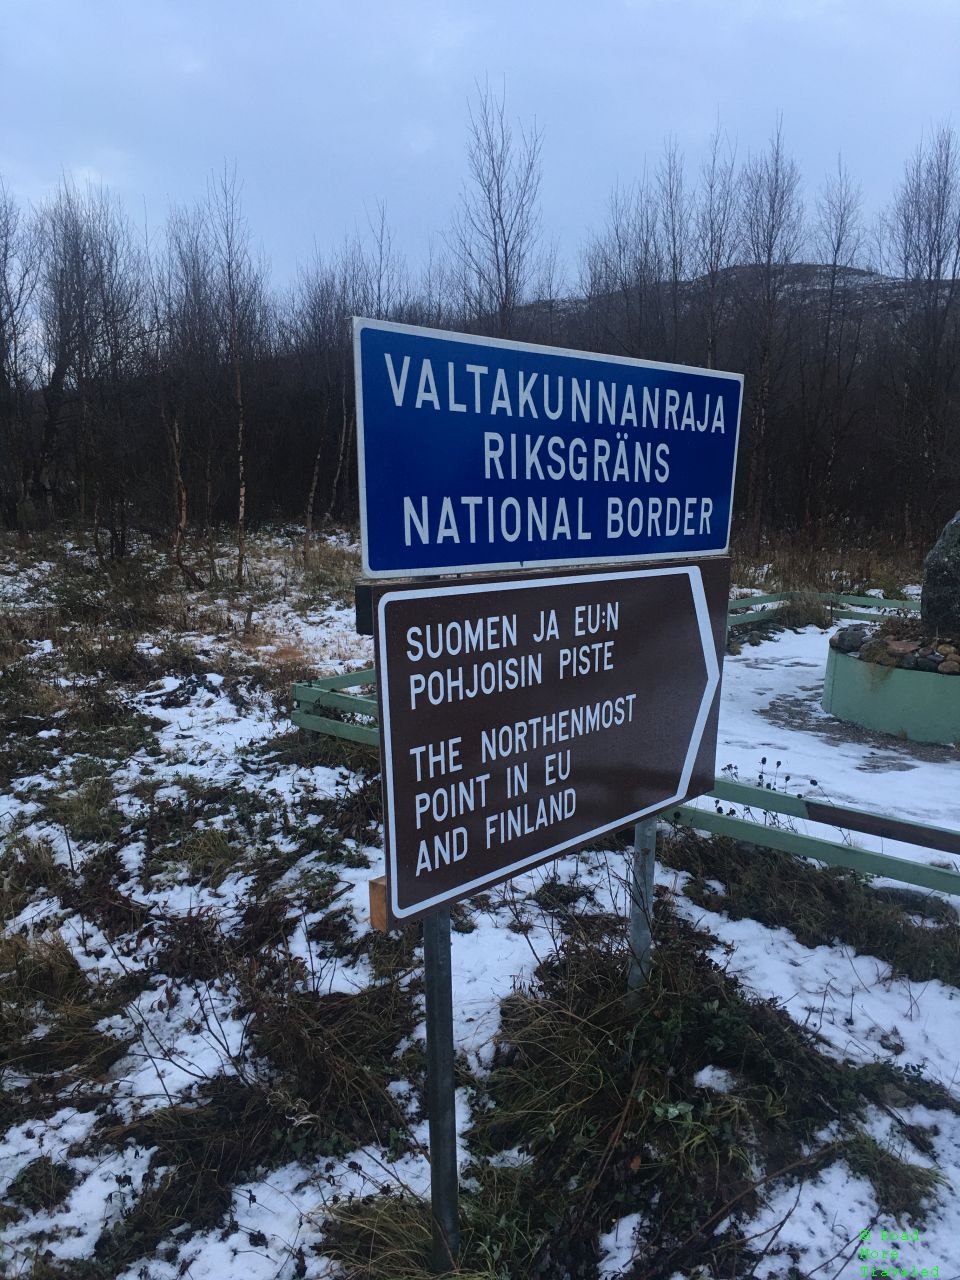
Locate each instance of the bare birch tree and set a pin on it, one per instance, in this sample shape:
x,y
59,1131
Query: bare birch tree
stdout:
x,y
183,334
772,231
838,328
621,274
317,325
64,289
19,267
923,243
495,236
716,239
240,288
674,211
112,346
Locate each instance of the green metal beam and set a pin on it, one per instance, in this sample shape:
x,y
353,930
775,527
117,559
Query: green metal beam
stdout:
x,y
871,602
743,619
758,797
829,851
366,734
875,824
828,597
749,602
857,614
348,680
308,695
735,619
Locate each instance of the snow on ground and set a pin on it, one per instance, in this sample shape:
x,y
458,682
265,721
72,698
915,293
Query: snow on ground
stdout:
x,y
771,722
854,1002
617,1246
770,710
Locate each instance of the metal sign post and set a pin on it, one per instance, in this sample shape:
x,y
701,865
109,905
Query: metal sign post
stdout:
x,y
441,1091
641,902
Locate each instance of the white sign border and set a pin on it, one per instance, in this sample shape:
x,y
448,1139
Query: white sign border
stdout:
x,y
361,322
691,572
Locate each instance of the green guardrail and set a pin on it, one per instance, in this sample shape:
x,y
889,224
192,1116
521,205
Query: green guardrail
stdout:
x,y
312,697
833,852
745,610
328,693
774,835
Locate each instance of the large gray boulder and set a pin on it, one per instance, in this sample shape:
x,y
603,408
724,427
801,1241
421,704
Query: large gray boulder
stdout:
x,y
940,597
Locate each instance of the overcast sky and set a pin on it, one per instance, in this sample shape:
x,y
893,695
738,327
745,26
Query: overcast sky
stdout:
x,y
328,107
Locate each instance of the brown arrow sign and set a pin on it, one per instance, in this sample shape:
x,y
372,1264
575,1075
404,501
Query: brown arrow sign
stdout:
x,y
521,717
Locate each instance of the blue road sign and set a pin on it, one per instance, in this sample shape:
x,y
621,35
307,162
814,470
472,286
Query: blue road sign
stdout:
x,y
480,454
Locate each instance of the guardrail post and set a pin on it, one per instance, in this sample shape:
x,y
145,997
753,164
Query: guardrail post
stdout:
x,y
641,902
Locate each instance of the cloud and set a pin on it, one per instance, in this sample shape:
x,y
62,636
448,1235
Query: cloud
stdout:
x,y
419,138
191,64
102,166
443,37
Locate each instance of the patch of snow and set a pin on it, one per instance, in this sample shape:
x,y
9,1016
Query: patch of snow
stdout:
x,y
818,1221
619,1247
852,1002
715,1078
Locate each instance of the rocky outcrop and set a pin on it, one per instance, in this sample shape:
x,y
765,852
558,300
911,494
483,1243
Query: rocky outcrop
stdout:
x,y
939,650
890,651
940,597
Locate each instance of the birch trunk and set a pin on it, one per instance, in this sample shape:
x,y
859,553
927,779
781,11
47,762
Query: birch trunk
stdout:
x,y
241,465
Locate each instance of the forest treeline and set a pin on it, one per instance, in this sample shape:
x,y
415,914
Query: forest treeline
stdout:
x,y
166,382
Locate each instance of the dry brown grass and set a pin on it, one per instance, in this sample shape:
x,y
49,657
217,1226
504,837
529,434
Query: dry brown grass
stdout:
x,y
49,1009
25,866
43,969
276,665
331,568
18,630
804,562
88,813
42,1184
332,1054
206,854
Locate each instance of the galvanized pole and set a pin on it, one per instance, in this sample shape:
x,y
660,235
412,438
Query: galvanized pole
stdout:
x,y
641,902
441,1094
